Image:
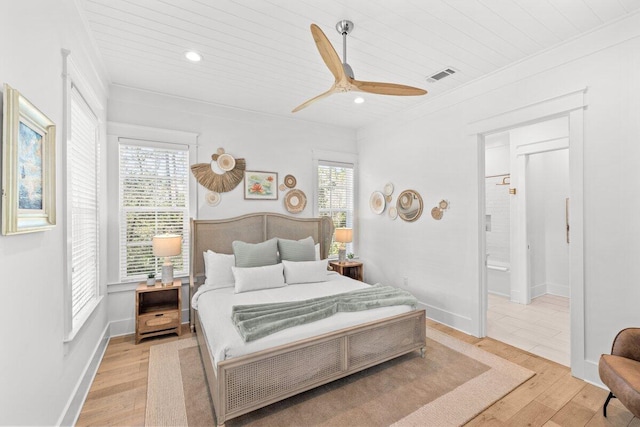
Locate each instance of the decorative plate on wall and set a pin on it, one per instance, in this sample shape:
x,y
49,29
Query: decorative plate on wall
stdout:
x,y
290,181
388,189
226,162
377,202
213,198
282,187
388,199
436,213
393,212
444,204
295,201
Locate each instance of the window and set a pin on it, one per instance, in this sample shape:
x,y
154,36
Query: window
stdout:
x,y
83,173
154,199
335,196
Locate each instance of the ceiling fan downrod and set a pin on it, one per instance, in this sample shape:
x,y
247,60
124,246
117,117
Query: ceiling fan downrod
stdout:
x,y
344,27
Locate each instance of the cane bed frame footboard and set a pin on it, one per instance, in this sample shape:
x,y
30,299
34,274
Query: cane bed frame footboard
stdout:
x,y
244,384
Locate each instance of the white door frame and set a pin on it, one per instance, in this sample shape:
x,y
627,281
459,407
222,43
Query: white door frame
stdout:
x,y
571,104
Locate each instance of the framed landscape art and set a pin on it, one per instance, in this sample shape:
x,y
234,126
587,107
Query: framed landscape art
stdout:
x,y
28,166
260,185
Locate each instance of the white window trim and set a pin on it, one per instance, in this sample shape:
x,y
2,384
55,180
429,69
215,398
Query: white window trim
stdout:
x,y
71,75
343,158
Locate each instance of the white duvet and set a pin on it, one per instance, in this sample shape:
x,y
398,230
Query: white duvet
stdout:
x,y
214,310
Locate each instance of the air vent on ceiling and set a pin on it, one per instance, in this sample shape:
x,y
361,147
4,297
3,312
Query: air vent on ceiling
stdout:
x,y
440,75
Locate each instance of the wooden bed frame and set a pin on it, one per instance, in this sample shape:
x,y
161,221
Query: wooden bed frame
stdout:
x,y
246,383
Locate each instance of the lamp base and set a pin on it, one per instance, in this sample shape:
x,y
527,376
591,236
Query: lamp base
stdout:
x,y
342,255
167,274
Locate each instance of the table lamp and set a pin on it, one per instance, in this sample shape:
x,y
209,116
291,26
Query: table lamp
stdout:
x,y
167,245
343,236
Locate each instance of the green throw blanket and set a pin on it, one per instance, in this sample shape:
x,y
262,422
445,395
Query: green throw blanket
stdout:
x,y
259,320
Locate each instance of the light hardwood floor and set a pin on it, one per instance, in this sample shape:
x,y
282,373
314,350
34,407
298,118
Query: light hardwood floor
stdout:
x,y
551,398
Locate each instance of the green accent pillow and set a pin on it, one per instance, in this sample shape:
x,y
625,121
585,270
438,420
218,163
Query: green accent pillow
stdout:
x,y
255,254
297,250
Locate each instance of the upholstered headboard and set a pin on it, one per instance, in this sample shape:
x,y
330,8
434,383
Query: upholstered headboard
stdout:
x,y
219,234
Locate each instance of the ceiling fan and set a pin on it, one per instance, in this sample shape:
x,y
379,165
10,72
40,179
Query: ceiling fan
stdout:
x,y
345,81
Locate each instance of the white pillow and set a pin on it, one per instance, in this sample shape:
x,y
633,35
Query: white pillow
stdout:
x,y
256,278
305,271
217,269
317,251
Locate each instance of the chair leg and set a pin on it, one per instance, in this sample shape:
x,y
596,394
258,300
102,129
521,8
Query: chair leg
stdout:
x,y
604,409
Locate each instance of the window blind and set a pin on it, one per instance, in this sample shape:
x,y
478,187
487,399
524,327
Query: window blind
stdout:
x,y
154,199
82,158
335,195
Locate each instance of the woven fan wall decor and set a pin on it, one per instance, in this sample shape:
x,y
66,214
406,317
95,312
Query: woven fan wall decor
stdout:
x,y
220,183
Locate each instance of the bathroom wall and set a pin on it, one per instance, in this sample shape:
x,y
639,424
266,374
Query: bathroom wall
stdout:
x,y
497,205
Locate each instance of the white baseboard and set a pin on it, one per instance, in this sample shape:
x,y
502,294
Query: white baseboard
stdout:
x,y
448,318
559,290
591,374
500,294
538,290
76,401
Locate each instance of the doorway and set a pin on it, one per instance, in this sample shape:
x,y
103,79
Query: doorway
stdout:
x,y
571,104
527,240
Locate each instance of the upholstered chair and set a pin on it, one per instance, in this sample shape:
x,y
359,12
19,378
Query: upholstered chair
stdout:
x,y
620,370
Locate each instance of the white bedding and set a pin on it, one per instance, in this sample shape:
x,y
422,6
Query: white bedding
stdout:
x,y
214,310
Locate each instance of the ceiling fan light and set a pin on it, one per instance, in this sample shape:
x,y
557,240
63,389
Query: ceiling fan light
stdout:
x,y
359,100
193,56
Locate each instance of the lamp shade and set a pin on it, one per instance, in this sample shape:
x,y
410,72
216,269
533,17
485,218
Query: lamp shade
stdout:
x,y
344,235
167,245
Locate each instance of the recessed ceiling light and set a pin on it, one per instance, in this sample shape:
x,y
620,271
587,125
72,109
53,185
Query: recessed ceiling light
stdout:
x,y
193,56
359,100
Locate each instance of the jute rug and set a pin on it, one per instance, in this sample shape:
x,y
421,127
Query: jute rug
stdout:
x,y
455,382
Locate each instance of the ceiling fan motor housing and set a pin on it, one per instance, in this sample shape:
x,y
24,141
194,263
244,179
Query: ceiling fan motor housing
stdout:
x,y
344,27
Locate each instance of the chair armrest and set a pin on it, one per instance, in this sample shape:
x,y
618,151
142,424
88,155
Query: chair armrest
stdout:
x,y
627,344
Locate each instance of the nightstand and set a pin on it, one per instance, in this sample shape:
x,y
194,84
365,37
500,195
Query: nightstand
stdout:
x,y
352,269
158,309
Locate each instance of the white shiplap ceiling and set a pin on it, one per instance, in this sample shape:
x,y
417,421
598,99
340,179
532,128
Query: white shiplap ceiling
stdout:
x,y
259,55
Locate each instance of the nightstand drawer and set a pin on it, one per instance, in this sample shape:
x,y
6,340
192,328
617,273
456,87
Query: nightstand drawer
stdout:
x,y
158,321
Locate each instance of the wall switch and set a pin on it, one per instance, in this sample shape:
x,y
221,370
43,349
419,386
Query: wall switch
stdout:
x,y
405,282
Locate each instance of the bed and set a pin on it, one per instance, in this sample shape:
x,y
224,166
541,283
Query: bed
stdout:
x,y
278,369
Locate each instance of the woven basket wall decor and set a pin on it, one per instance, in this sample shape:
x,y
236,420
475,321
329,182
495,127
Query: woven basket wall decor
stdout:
x,y
221,183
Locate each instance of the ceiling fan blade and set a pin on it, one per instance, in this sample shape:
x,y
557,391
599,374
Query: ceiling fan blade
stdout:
x,y
312,100
328,53
387,88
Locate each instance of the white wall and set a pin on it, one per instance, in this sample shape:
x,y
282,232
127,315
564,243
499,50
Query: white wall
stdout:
x,y
39,372
267,143
431,153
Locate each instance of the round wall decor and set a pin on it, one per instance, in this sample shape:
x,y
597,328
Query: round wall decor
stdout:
x,y
436,213
213,198
282,187
377,202
295,201
388,189
290,181
393,212
226,162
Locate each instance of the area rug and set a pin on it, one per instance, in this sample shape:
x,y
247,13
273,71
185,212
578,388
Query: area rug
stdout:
x,y
450,386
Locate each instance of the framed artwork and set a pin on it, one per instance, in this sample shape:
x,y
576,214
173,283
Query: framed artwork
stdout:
x,y
28,166
260,185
